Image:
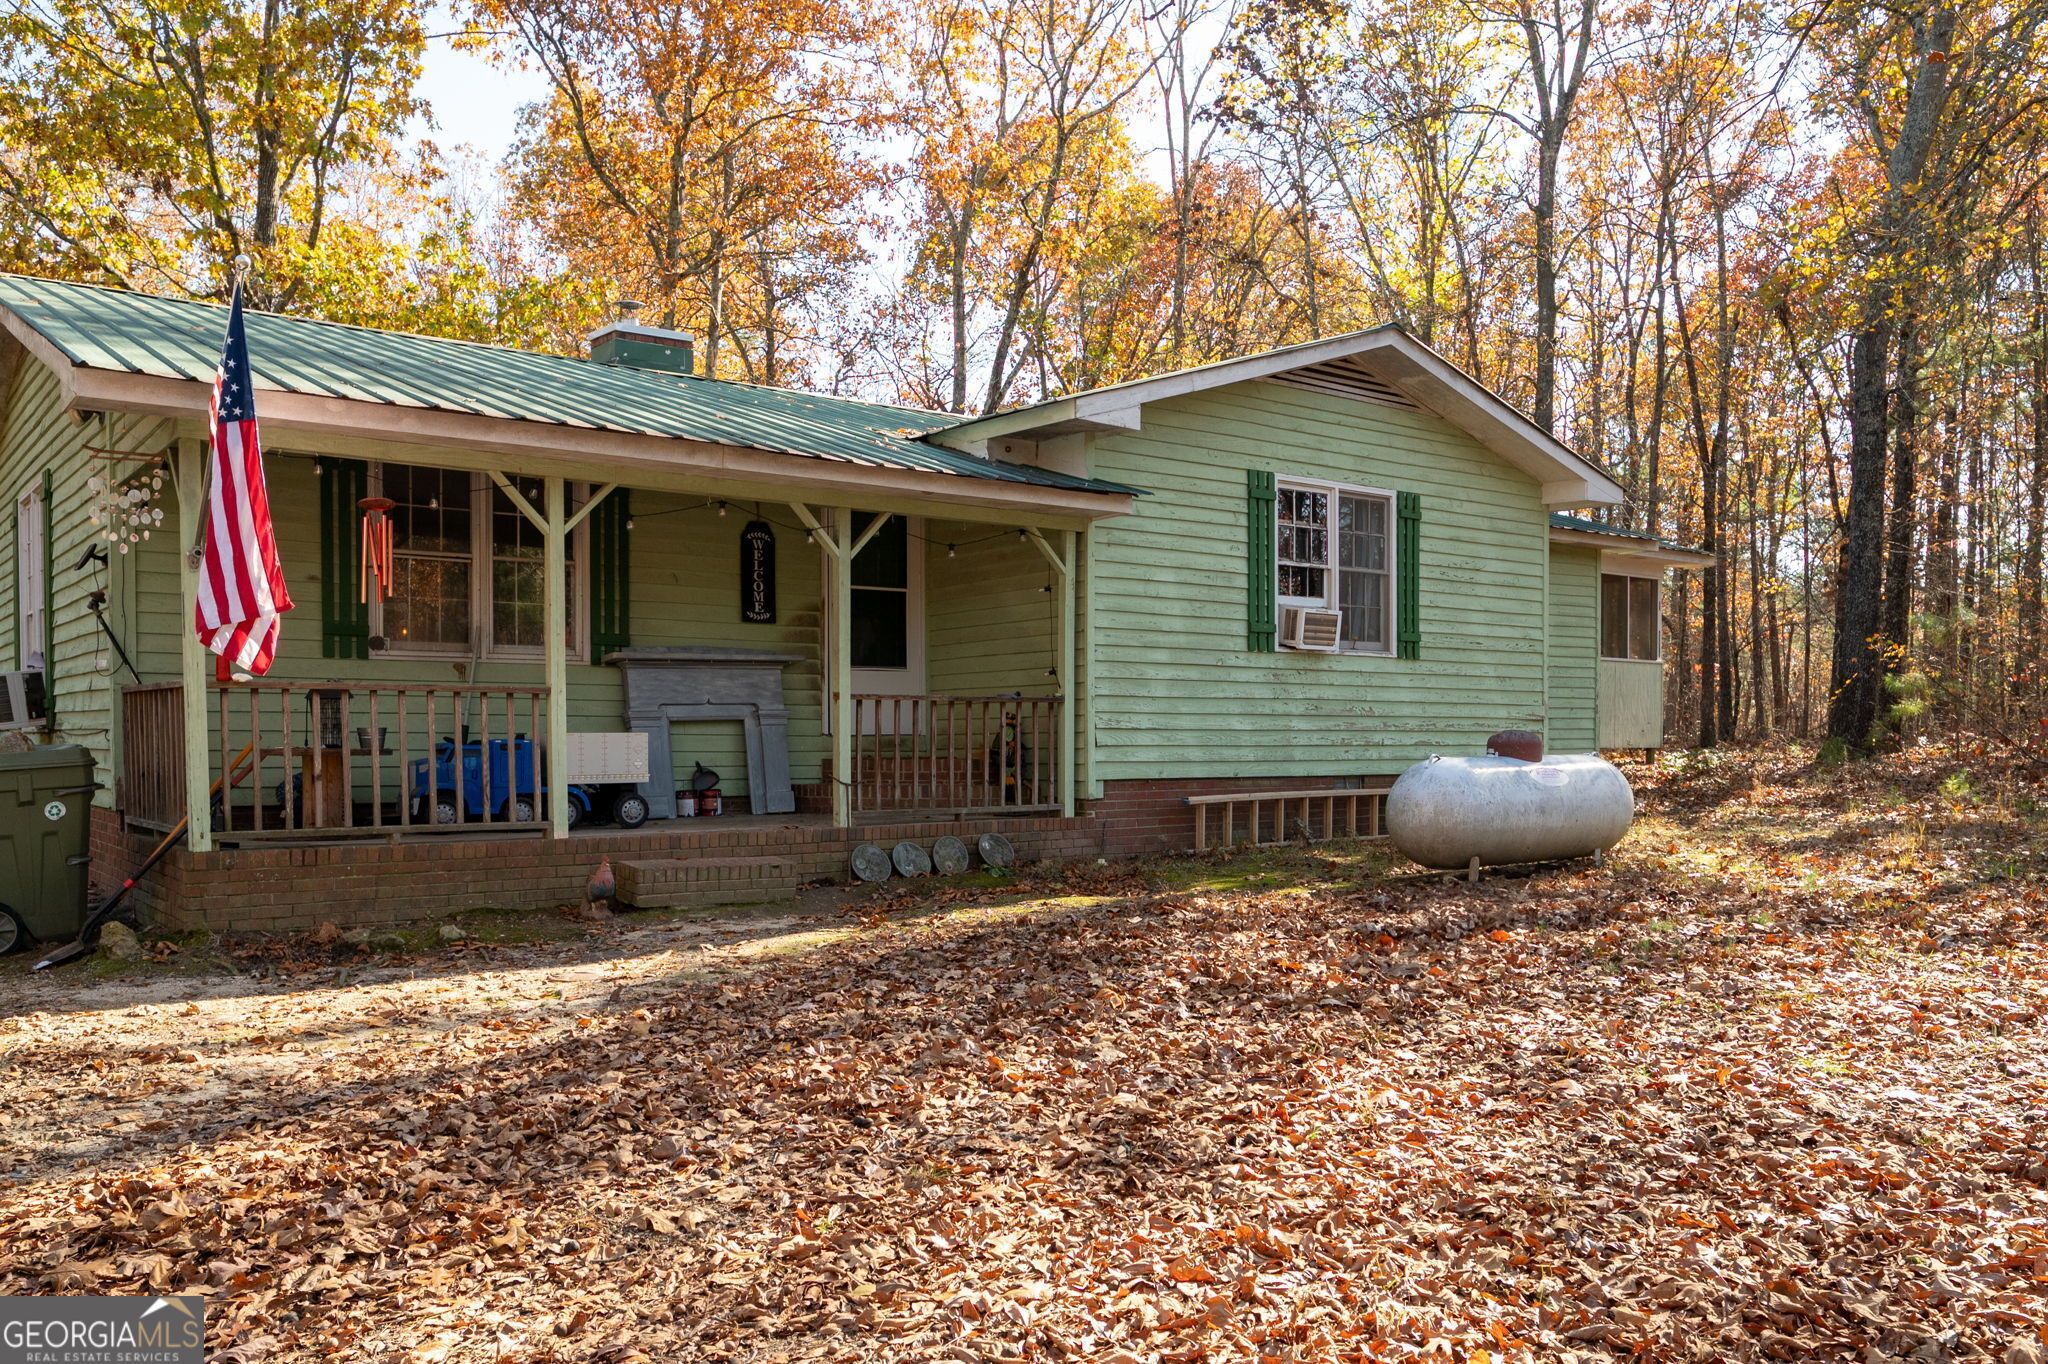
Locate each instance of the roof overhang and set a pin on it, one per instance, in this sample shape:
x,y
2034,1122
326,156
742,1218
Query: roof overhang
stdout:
x,y
1638,551
1434,383
320,424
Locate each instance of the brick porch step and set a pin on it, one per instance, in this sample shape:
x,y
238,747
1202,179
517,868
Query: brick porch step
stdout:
x,y
690,882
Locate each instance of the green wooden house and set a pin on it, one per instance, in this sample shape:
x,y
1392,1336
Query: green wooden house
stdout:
x,y
1081,623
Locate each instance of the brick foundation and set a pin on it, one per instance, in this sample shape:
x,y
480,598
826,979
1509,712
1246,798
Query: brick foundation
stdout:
x,y
290,889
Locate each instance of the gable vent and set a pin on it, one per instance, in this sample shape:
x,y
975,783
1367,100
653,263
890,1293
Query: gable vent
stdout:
x,y
1347,379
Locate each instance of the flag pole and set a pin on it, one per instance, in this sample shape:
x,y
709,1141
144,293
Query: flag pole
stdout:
x,y
194,661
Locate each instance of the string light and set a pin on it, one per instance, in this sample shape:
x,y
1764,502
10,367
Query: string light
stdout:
x,y
629,523
952,551
721,509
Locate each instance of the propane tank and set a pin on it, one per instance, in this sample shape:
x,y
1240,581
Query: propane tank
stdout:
x,y
1444,812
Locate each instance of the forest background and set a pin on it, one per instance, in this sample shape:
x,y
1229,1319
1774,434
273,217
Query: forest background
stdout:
x,y
1779,266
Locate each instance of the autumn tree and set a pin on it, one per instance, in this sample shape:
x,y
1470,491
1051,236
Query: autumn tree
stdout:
x,y
151,144
1936,96
698,157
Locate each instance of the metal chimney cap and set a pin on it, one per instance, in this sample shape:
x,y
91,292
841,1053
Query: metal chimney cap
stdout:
x,y
627,308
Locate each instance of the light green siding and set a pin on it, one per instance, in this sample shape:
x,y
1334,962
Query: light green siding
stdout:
x,y
1176,692
83,672
992,628
1574,649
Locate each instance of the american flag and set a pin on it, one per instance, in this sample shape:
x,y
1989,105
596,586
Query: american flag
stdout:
x,y
241,583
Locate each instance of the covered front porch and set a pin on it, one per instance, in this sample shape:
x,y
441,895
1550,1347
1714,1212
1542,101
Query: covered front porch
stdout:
x,y
848,663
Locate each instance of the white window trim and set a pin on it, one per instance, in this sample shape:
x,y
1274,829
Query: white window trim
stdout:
x,y
1600,607
1329,601
31,588
910,681
481,644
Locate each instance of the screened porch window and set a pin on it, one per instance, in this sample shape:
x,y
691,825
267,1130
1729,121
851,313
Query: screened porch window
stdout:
x,y
880,624
1334,548
468,567
1629,621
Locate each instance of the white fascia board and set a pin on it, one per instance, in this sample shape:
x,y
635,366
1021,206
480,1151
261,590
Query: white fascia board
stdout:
x,y
1652,561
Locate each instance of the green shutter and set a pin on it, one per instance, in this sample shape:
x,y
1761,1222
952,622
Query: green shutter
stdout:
x,y
1259,562
1408,572
611,585
344,615
49,603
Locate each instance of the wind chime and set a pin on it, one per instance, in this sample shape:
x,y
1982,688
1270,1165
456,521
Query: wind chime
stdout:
x,y
123,510
376,572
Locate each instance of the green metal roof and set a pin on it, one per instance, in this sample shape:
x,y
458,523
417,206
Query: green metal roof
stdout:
x,y
113,329
1566,521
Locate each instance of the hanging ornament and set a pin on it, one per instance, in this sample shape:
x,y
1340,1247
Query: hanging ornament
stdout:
x,y
122,510
376,571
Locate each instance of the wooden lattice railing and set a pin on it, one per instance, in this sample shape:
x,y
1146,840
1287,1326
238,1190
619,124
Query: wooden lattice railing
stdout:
x,y
152,790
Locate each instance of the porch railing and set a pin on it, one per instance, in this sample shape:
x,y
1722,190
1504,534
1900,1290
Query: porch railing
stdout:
x,y
152,788
306,759
956,753
296,758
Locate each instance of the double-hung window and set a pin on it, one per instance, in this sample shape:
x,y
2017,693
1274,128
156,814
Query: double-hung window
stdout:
x,y
1629,619
1335,550
468,568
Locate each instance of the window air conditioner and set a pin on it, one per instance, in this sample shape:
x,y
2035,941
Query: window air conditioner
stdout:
x,y
21,700
1305,627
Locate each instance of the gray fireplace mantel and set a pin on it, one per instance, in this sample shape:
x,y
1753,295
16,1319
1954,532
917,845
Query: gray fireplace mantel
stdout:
x,y
665,686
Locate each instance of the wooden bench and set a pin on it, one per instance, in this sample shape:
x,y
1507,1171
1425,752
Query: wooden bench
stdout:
x,y
1338,812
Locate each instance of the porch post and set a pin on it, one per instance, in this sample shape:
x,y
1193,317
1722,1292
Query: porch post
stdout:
x,y
556,569
841,534
1070,681
1064,562
192,655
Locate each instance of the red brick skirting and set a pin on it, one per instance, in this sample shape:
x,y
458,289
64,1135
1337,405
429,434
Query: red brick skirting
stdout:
x,y
283,889
287,889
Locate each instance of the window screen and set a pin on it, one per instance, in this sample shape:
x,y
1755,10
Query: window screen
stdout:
x,y
1629,624
880,620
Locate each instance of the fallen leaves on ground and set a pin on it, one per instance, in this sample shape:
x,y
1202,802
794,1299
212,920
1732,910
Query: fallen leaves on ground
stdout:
x,y
1768,1086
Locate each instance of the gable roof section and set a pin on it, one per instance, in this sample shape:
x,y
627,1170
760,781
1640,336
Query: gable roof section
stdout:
x,y
102,335
1396,358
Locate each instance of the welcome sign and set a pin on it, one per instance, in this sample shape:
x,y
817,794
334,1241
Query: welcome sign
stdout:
x,y
102,1330
757,574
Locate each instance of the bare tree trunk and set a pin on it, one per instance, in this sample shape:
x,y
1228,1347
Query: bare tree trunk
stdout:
x,y
2030,640
1905,508
1858,674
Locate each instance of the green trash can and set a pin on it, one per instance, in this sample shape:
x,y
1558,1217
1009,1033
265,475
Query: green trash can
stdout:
x,y
45,840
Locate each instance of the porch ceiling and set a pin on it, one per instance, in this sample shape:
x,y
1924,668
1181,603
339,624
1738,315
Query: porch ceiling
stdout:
x,y
139,352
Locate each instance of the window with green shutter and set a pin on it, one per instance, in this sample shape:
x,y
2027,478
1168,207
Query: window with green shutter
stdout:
x,y
1259,601
1408,571
344,615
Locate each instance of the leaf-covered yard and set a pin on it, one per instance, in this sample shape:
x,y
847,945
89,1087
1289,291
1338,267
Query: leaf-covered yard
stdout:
x,y
1771,1084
